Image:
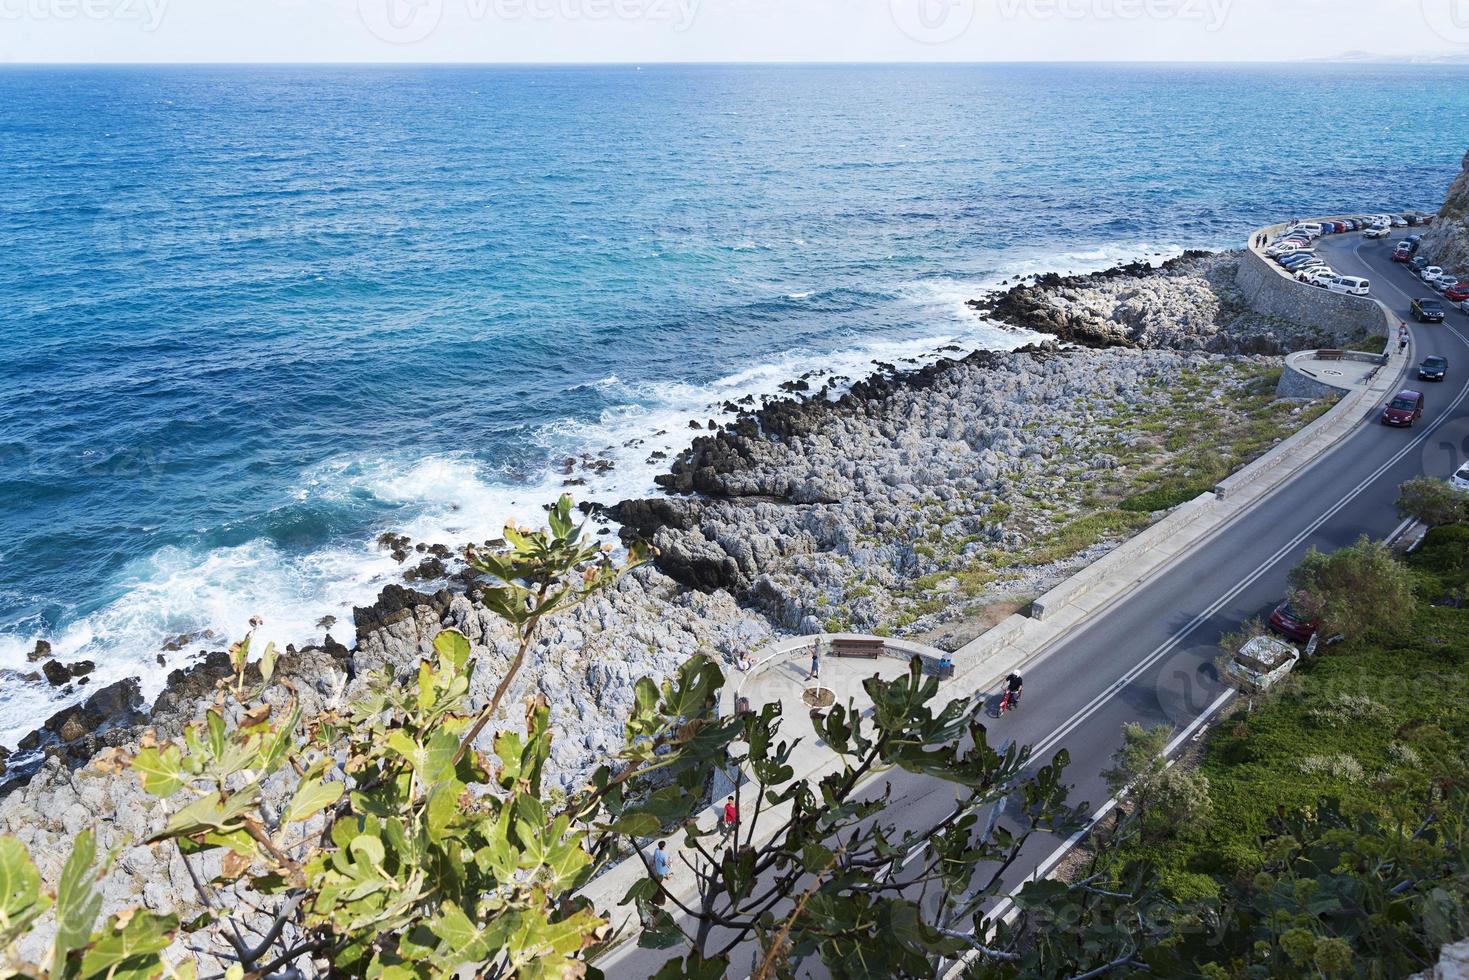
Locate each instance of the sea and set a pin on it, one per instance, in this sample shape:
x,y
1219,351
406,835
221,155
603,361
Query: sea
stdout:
x,y
256,316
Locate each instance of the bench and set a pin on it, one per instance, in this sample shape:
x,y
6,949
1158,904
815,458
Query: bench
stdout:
x,y
871,649
1330,355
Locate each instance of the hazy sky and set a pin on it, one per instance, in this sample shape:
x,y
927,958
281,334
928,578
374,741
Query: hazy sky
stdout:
x,y
724,30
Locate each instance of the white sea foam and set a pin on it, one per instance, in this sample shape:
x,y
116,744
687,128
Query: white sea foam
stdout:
x,y
458,499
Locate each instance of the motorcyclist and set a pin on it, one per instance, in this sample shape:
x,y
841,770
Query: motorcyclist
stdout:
x,y
1013,686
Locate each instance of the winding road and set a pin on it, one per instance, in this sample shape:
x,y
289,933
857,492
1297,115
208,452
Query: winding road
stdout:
x,y
1149,658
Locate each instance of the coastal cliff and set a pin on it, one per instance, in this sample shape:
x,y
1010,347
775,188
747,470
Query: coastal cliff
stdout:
x,y
921,503
1447,242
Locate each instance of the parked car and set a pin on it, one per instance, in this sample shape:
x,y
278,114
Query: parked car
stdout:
x,y
1321,276
1444,283
1405,409
1433,368
1299,255
1289,621
1460,480
1428,311
1458,292
1403,253
1430,273
1378,231
1418,263
1261,663
1352,286
1398,221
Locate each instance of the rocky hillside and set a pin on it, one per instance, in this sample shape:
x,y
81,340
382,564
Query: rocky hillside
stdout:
x,y
1447,243
1187,303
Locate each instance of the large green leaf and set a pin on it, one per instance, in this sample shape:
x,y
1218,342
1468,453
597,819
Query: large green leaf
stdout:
x,y
161,769
21,901
130,951
77,903
311,797
452,647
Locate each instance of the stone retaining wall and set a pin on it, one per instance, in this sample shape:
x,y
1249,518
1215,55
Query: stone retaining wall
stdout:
x,y
1271,292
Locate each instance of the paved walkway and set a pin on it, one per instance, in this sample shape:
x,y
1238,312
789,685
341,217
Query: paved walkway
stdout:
x,y
780,674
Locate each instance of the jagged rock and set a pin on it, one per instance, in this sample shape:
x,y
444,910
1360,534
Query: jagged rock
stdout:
x,y
56,674
428,570
1447,241
41,652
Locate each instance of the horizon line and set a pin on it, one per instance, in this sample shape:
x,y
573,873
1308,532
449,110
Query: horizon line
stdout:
x,y
1418,61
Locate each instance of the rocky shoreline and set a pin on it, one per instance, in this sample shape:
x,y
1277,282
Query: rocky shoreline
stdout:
x,y
914,503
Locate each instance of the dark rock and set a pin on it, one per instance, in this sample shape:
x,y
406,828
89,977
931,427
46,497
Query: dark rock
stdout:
x,y
189,685
427,570
81,667
326,622
394,604
114,705
440,551
55,673
41,652
335,650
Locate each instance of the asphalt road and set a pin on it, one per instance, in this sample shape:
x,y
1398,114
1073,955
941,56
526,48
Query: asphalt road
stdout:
x,y
1149,658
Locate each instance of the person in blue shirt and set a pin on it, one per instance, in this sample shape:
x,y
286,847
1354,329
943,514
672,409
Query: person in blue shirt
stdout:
x,y
661,862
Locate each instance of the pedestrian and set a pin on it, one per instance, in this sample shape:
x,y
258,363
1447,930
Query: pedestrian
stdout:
x,y
661,862
730,818
815,663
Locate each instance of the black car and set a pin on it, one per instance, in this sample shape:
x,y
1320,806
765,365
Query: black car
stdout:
x,y
1433,368
1428,311
1419,263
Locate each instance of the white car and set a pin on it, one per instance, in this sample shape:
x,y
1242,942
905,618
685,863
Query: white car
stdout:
x,y
1284,247
1319,276
1398,221
1351,285
1460,480
1431,274
1261,663
1445,282
1377,231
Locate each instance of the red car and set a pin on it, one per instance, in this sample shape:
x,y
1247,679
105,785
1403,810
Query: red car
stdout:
x,y
1457,293
1405,409
1288,621
1401,254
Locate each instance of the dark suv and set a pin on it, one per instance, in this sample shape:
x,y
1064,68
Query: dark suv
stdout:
x,y
1433,368
1428,311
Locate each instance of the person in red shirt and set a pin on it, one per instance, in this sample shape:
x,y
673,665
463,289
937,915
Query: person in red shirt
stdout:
x,y
730,818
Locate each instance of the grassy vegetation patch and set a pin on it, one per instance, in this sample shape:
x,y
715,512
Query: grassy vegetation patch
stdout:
x,y
1366,722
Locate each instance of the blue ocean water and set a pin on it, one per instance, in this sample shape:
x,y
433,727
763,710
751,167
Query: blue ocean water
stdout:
x,y
255,316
